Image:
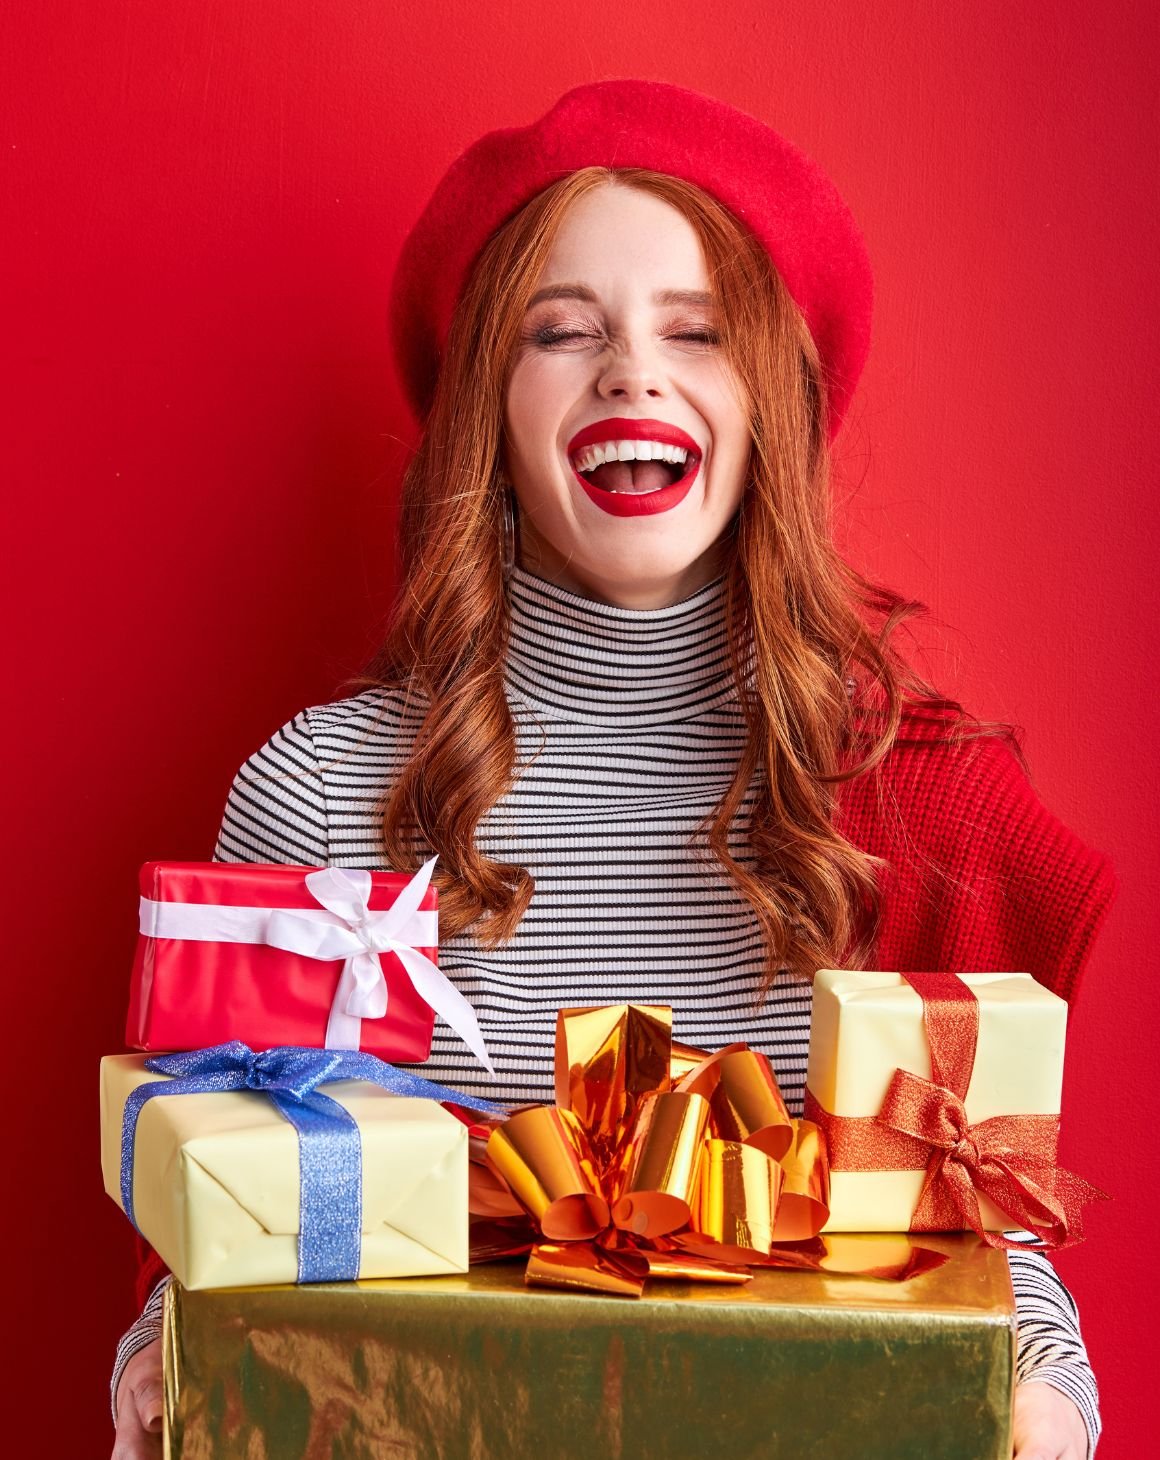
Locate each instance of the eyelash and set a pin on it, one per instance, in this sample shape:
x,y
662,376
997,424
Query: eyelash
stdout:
x,y
550,336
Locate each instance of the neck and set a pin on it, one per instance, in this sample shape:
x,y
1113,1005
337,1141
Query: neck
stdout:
x,y
637,592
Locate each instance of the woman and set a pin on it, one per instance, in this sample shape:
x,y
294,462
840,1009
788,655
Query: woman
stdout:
x,y
651,723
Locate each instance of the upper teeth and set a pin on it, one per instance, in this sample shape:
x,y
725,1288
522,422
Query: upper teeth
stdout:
x,y
593,456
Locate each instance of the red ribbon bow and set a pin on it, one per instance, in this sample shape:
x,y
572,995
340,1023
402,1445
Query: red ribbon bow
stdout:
x,y
1009,1158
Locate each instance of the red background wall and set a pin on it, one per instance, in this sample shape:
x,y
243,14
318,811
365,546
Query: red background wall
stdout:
x,y
205,202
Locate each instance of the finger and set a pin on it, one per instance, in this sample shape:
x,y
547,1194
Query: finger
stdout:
x,y
133,1443
1037,1447
148,1398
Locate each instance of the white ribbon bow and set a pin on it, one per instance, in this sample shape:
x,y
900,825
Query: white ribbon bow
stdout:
x,y
342,927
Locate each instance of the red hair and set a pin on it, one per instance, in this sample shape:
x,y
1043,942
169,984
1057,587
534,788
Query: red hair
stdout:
x,y
821,688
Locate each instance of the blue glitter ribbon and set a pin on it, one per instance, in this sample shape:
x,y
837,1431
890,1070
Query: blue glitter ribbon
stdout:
x,y
329,1145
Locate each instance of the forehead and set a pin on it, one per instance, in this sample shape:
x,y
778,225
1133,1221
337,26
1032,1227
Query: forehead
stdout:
x,y
616,237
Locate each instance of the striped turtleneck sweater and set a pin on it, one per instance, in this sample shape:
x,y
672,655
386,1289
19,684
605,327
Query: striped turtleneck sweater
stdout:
x,y
628,730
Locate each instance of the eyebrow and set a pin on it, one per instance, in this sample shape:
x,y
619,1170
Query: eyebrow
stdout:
x,y
582,291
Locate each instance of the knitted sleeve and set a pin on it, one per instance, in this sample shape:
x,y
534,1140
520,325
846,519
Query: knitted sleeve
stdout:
x,y
1050,1348
980,876
275,812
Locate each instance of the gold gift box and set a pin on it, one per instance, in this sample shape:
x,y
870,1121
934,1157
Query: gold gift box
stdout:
x,y
215,1180
797,1364
866,1025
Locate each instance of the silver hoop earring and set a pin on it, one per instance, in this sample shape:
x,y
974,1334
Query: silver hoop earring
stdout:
x,y
510,544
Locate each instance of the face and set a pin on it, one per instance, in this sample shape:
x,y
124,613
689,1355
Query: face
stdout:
x,y
627,435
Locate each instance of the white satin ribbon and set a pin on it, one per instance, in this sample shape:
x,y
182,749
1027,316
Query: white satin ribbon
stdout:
x,y
343,926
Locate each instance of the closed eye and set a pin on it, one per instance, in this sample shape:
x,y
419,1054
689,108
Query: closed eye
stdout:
x,y
557,337
548,337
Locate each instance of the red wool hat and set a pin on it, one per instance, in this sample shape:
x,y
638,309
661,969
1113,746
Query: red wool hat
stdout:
x,y
783,197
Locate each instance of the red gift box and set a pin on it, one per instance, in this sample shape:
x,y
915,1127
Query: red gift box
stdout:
x,y
251,952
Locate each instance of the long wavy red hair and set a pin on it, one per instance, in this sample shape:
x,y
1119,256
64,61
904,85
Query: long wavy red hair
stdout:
x,y
820,685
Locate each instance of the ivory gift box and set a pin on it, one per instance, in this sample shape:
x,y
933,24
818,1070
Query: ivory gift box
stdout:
x,y
215,1181
867,1025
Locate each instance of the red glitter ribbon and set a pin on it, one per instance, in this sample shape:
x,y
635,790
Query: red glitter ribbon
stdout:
x,y
1011,1159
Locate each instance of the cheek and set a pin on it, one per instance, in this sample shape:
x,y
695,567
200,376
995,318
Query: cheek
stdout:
x,y
523,399
538,396
732,438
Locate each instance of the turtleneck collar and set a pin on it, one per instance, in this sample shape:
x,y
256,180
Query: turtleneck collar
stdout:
x,y
572,658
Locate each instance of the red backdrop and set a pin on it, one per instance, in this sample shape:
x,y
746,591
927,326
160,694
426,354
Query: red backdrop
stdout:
x,y
206,203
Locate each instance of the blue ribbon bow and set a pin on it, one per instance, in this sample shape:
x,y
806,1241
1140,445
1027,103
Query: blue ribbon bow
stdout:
x,y
329,1145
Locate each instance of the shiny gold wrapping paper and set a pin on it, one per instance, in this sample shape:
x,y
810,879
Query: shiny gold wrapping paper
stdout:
x,y
793,1364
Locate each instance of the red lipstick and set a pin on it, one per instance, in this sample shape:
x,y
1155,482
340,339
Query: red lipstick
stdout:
x,y
623,428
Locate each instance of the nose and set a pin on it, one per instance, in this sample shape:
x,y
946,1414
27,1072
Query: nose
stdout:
x,y
633,371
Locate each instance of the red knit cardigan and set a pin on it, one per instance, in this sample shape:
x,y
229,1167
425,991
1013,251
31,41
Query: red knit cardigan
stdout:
x,y
980,876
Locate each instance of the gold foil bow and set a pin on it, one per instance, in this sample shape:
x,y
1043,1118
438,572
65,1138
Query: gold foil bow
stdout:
x,y
656,1159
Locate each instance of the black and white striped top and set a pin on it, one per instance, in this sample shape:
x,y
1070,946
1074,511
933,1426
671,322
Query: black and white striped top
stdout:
x,y
628,730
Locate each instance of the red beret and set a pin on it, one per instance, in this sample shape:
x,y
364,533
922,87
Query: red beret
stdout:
x,y
769,184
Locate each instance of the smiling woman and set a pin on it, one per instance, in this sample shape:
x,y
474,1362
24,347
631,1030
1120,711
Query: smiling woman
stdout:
x,y
653,725
575,321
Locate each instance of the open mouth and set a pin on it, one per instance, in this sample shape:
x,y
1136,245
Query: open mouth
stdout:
x,y
634,468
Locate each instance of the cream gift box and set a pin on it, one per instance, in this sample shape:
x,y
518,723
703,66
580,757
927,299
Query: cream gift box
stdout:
x,y
865,1026
216,1180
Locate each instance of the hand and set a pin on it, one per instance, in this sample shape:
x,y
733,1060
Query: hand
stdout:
x,y
1048,1425
139,1404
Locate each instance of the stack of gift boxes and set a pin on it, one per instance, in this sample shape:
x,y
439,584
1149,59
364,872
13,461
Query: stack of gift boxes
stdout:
x,y
269,982
293,1177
